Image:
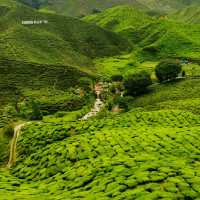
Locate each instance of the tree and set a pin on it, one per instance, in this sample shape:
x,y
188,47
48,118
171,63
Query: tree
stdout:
x,y
168,70
85,83
137,83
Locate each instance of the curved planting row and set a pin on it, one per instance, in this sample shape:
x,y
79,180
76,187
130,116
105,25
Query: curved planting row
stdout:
x,y
147,155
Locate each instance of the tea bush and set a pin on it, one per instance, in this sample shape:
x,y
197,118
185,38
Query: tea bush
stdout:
x,y
138,154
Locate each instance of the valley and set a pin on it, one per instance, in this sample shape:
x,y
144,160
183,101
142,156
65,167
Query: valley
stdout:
x,y
99,101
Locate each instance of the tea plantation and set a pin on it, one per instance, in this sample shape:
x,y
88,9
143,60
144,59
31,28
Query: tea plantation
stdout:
x,y
135,155
148,151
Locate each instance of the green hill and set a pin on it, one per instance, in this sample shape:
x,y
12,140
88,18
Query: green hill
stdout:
x,y
8,3
73,8
189,15
38,56
157,38
169,39
119,19
62,40
85,7
146,153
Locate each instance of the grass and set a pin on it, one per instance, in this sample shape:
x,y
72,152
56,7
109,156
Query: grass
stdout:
x,y
123,64
53,55
20,76
181,95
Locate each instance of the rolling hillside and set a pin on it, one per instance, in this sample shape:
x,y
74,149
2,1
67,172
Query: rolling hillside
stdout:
x,y
85,7
169,39
8,3
140,147
150,152
119,19
62,40
157,38
57,51
189,15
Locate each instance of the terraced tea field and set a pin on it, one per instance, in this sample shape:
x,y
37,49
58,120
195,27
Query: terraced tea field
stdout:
x,y
135,155
148,151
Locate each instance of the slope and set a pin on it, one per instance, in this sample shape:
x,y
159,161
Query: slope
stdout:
x,y
119,18
8,3
53,53
63,40
169,39
141,154
189,15
157,38
85,7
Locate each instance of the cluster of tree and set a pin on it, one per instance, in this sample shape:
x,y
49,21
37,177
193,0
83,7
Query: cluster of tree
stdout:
x,y
167,70
137,83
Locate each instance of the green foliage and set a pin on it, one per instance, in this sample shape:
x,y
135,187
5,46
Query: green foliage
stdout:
x,y
32,3
51,44
6,134
73,8
30,109
117,77
168,70
122,102
149,152
168,39
119,18
189,15
86,83
146,155
183,95
48,84
137,83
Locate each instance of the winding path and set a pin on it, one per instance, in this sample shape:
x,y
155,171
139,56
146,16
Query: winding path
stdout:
x,y
13,146
98,103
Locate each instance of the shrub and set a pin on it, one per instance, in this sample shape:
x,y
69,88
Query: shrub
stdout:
x,y
8,130
183,73
85,83
137,83
121,102
168,70
117,77
30,109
